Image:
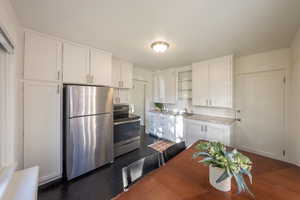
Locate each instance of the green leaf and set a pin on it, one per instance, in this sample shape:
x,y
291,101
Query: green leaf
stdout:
x,y
206,159
197,154
224,176
248,174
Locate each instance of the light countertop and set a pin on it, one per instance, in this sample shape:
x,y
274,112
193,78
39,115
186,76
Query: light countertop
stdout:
x,y
203,118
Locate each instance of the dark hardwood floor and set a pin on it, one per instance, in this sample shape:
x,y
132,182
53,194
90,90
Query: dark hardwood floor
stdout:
x,y
101,184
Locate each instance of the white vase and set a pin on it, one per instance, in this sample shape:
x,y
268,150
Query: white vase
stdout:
x,y
214,174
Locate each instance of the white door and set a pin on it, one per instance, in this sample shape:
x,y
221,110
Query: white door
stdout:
x,y
138,99
116,73
126,74
220,83
75,63
100,67
260,99
42,59
200,84
42,125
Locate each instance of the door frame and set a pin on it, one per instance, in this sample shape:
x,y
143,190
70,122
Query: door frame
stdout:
x,y
285,106
2,105
145,83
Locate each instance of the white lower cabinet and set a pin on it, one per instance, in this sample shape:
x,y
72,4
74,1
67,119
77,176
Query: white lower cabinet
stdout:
x,y
165,126
193,131
42,129
176,128
197,130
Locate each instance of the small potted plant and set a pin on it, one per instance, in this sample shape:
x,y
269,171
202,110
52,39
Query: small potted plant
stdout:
x,y
224,165
159,106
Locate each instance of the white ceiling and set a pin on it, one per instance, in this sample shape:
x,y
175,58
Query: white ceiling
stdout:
x,y
195,29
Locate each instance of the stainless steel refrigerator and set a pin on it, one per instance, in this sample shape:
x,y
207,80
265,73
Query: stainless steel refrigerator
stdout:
x,y
88,129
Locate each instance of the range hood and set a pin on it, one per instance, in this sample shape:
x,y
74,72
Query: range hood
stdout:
x,y
5,43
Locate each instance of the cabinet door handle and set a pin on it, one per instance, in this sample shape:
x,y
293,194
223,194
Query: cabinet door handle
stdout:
x,y
119,83
58,89
205,128
201,128
58,75
92,79
88,78
207,102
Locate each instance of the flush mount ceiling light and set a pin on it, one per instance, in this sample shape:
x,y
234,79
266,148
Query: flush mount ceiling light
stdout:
x,y
160,46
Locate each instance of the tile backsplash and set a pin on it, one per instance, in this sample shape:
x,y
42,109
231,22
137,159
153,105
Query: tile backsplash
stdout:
x,y
187,104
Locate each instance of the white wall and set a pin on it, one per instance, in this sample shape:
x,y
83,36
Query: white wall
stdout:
x,y
294,109
265,61
14,136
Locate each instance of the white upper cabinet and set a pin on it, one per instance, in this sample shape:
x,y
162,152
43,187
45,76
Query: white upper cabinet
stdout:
x,y
156,88
165,87
126,74
42,57
213,83
170,86
200,84
221,82
116,73
100,69
122,74
75,63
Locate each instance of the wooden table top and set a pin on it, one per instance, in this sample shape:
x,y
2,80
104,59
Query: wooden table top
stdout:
x,y
185,179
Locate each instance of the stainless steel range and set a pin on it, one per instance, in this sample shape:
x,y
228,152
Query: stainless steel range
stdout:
x,y
126,130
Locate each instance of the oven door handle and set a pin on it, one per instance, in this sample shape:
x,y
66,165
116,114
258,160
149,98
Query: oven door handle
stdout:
x,y
127,122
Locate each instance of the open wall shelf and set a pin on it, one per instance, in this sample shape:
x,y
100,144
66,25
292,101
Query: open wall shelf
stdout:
x,y
185,85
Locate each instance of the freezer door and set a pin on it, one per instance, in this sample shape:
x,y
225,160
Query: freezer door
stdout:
x,y
88,100
89,144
